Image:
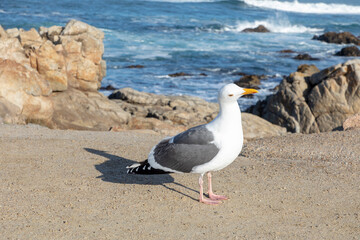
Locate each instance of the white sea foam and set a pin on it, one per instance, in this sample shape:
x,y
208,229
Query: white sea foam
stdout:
x,y
183,1
278,24
296,6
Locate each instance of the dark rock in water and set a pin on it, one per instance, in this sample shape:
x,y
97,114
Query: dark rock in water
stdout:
x,y
339,38
180,74
259,29
249,81
352,51
287,51
203,74
239,74
312,101
305,56
108,88
135,66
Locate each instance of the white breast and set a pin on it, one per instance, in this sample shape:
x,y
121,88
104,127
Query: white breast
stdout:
x,y
229,139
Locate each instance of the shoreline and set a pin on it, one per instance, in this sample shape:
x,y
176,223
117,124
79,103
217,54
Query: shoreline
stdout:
x,y
72,184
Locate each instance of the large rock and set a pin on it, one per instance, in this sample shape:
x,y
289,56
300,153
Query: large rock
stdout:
x,y
311,101
338,38
51,77
75,109
172,114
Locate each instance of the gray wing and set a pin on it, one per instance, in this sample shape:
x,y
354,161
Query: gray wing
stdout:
x,y
187,150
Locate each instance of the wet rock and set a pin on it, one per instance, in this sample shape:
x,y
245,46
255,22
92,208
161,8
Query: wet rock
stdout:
x,y
352,51
179,74
135,66
108,88
305,56
338,38
258,29
287,51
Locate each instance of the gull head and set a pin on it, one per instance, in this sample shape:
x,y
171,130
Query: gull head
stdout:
x,y
231,92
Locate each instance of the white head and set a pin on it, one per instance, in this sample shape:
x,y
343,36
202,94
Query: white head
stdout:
x,y
231,92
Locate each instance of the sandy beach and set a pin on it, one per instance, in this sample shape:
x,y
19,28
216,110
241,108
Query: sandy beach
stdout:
x,y
72,185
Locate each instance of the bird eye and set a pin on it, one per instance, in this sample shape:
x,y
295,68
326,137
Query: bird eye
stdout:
x,y
230,95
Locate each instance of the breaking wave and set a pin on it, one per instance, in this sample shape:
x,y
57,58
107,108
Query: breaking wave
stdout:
x,y
277,25
295,6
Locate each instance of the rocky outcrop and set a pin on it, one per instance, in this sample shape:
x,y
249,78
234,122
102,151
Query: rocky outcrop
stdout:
x,y
352,51
338,38
170,115
311,101
258,29
51,77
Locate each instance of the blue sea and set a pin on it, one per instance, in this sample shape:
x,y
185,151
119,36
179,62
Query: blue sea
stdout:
x,y
199,37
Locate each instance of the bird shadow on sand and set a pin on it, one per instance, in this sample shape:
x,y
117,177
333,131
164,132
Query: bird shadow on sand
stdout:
x,y
114,170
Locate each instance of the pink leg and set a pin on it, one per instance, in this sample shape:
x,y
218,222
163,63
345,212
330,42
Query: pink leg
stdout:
x,y
213,196
202,199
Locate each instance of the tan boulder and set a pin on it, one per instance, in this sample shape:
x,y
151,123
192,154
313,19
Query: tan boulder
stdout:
x,y
42,68
75,109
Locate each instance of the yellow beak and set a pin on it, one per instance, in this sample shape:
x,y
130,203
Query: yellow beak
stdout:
x,y
249,91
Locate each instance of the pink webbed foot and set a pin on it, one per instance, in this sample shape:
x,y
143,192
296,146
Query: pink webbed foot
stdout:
x,y
213,196
202,199
209,201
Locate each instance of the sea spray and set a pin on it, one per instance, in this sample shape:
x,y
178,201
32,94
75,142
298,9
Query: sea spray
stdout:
x,y
296,6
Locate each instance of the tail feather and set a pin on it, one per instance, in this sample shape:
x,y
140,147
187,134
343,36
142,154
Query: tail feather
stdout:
x,y
144,168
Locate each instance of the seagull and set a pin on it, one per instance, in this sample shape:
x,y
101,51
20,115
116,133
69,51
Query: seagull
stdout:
x,y
204,148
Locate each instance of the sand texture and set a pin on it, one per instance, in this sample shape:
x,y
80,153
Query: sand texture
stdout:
x,y
72,185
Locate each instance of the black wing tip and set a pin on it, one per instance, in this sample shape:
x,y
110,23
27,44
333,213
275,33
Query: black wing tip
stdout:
x,y
144,168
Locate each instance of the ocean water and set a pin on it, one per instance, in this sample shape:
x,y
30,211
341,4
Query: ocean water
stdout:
x,y
199,37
